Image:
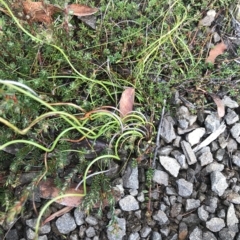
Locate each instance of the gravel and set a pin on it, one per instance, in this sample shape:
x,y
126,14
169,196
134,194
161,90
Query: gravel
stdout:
x,y
195,191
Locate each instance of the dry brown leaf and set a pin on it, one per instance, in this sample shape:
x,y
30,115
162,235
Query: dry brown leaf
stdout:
x,y
80,10
57,214
39,12
220,105
126,101
48,190
217,50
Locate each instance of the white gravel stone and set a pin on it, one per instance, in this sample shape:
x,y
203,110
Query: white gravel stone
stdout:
x,y
185,188
161,217
79,216
228,102
129,203
215,224
218,182
170,164
65,224
235,130
192,204
203,214
196,234
231,216
160,177
195,136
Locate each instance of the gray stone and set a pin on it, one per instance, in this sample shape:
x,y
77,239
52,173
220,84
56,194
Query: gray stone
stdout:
x,y
235,130
196,234
30,234
222,141
180,158
176,142
43,237
12,235
181,131
212,203
212,122
192,204
205,156
231,216
220,154
167,131
183,123
170,164
65,224
134,236
173,237
165,231
192,119
161,217
231,117
232,145
218,183
73,236
129,203
225,233
90,232
133,192
209,236
185,188
203,214
160,177
145,231
183,113
156,236
171,191
91,220
46,228
79,216
228,102
195,136
130,177
215,224
190,155
236,158
165,151
117,230
141,197
212,167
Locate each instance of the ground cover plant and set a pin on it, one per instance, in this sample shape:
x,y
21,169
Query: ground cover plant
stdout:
x,y
62,79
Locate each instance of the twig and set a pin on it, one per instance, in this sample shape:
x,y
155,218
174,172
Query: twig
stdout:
x,y
158,136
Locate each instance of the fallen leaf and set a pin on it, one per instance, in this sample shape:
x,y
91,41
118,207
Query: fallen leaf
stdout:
x,y
80,10
57,214
126,101
217,50
220,105
39,12
48,190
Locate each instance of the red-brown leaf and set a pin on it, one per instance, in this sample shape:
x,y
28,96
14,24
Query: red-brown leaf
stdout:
x,y
220,105
216,51
80,10
48,190
126,101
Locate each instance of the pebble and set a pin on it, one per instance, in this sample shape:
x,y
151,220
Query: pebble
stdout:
x,y
218,182
161,217
91,220
130,177
129,203
185,188
190,155
160,177
203,214
170,164
79,216
196,234
65,224
195,136
215,224
228,102
167,133
231,216
192,204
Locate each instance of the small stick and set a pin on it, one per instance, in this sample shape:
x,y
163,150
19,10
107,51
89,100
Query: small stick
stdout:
x,y
158,136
